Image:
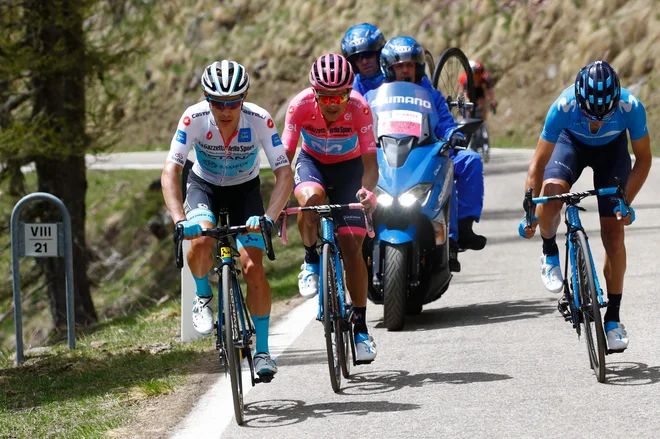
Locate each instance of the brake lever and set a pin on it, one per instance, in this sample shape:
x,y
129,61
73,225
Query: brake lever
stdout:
x,y
528,204
266,233
178,245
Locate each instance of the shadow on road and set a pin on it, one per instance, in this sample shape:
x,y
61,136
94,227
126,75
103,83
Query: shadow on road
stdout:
x,y
479,314
300,357
283,412
632,374
384,381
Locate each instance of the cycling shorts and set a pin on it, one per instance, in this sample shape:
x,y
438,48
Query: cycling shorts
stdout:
x,y
241,201
608,161
340,181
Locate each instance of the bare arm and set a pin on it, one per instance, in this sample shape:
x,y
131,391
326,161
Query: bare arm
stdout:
x,y
171,185
281,191
370,176
537,166
643,159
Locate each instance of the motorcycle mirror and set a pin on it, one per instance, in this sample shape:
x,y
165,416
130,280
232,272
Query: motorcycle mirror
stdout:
x,y
468,126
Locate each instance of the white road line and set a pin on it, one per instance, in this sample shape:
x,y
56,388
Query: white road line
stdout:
x,y
215,409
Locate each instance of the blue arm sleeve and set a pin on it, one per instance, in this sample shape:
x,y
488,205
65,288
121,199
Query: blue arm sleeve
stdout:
x,y
446,123
557,118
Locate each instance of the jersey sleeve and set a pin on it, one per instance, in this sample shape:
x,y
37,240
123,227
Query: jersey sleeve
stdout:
x,y
363,121
635,117
271,142
182,141
557,119
292,127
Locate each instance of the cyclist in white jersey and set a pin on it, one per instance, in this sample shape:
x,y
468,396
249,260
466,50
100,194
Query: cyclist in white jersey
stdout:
x,y
226,134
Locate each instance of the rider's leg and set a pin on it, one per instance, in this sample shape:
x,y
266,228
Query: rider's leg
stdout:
x,y
469,176
563,169
309,191
610,162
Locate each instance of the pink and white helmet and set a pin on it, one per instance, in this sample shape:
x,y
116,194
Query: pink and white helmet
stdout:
x,y
331,72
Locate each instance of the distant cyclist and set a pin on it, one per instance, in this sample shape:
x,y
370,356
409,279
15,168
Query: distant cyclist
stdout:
x,y
402,59
227,133
337,160
586,126
483,86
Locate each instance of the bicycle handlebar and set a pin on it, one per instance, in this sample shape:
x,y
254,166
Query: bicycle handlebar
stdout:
x,y
222,231
324,209
575,197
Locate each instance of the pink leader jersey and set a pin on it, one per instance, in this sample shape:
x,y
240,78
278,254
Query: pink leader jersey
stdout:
x,y
347,138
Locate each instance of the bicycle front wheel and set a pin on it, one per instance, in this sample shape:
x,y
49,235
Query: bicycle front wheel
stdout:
x,y
232,333
590,307
451,66
332,319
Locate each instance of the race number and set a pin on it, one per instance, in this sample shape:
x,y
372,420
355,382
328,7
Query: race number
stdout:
x,y
41,240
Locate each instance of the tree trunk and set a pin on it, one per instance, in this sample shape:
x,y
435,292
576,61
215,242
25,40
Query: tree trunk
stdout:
x,y
60,80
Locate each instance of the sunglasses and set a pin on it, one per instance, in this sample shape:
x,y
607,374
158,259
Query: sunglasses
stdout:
x,y
595,119
365,55
221,105
332,99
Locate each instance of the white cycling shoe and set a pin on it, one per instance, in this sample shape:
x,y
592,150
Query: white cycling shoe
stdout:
x,y
308,280
617,337
551,273
202,318
264,365
365,348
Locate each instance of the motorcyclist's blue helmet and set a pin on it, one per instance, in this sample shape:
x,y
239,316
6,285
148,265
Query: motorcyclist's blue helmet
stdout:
x,y
362,38
597,90
402,49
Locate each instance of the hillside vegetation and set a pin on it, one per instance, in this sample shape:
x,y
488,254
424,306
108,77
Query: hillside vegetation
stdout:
x,y
533,48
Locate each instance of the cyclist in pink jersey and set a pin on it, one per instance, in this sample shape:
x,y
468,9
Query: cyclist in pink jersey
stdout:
x,y
337,160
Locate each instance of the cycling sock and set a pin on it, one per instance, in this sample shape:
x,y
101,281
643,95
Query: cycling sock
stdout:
x,y
261,329
311,255
360,316
612,313
550,246
203,288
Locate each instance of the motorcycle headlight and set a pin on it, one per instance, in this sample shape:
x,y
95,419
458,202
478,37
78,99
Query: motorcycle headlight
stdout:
x,y
384,199
420,192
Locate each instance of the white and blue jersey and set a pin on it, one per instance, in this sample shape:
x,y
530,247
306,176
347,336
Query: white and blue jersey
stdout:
x,y
565,114
230,162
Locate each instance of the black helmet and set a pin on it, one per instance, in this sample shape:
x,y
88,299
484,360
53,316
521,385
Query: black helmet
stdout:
x,y
597,90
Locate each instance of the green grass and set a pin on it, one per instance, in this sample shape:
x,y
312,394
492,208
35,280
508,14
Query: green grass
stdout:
x,y
134,353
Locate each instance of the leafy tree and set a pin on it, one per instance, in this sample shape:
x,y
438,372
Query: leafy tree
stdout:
x,y
61,65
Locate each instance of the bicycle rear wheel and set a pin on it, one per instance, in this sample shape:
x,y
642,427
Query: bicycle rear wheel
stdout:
x,y
451,65
332,319
590,307
232,332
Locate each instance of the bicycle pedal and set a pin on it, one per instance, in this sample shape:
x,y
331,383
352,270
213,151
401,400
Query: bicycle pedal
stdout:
x,y
265,378
613,351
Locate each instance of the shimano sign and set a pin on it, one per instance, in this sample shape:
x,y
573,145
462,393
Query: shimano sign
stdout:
x,y
382,100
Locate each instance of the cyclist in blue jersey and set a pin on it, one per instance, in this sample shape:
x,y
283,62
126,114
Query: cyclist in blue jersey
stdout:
x,y
586,126
227,134
402,59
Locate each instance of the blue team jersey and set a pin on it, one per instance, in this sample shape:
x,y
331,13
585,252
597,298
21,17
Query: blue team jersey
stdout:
x,y
565,114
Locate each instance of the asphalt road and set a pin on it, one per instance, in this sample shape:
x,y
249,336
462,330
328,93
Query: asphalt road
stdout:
x,y
492,358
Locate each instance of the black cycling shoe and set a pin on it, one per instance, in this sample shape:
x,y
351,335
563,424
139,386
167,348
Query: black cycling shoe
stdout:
x,y
454,265
467,239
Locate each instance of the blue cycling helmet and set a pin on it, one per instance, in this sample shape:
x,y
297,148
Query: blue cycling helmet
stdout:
x,y
360,38
597,90
402,49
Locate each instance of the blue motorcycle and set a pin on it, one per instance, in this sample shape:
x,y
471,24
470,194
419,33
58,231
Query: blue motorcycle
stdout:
x,y
408,258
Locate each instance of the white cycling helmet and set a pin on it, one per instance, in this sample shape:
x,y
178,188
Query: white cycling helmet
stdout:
x,y
225,79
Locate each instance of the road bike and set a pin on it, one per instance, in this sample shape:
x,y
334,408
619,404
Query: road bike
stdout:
x,y
583,297
335,311
234,328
